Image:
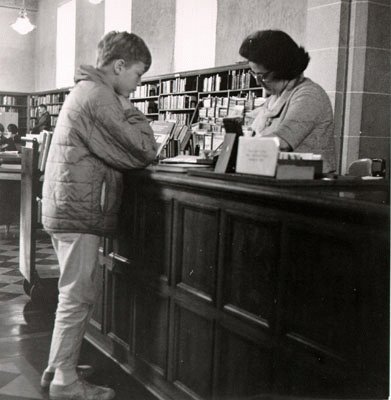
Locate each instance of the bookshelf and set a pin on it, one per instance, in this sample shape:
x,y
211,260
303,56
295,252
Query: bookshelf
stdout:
x,y
146,98
13,109
52,99
202,96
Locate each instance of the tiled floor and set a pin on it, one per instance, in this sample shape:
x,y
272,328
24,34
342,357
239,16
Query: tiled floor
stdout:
x,y
25,331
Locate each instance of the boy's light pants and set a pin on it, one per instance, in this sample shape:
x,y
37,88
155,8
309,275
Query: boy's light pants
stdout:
x,y
77,255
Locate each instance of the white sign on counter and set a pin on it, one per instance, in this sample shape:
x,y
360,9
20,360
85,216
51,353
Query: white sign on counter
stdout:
x,y
257,155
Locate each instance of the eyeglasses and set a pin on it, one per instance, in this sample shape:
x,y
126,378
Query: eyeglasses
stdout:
x,y
260,77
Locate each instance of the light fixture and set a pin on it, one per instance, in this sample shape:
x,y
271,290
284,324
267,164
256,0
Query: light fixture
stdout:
x,y
95,1
22,24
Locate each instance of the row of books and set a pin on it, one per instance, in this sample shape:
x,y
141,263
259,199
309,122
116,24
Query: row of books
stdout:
x,y
215,101
240,79
249,101
172,138
52,109
211,83
146,90
48,99
178,85
218,112
8,109
146,106
7,100
53,121
211,125
177,102
181,118
208,141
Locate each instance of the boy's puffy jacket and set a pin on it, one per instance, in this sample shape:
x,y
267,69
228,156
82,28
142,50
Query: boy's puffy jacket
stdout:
x,y
94,140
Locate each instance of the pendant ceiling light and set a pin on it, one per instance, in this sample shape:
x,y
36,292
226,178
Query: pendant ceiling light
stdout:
x,y
22,24
95,1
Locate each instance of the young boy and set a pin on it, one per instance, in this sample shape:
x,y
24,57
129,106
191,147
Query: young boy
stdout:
x,y
98,135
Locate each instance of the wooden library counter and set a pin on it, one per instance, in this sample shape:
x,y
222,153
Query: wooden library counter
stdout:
x,y
227,288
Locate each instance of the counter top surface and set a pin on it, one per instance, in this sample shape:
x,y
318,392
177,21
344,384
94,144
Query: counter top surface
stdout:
x,y
351,195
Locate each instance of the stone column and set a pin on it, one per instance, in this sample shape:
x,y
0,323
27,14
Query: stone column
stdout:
x,y
350,46
368,96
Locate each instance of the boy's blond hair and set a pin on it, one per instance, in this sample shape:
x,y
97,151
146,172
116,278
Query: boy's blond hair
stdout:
x,y
123,45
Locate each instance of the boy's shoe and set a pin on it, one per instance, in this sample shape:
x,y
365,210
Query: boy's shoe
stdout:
x,y
80,390
84,371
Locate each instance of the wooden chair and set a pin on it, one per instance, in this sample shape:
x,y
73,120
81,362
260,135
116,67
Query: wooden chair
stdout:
x,y
31,186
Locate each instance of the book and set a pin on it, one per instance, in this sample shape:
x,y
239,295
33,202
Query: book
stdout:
x,y
183,168
184,137
162,131
41,147
45,152
227,156
176,131
187,159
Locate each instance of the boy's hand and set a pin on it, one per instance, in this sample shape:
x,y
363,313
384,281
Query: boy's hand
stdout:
x,y
126,104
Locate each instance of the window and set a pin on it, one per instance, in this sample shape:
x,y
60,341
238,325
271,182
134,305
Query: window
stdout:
x,y
118,15
195,34
65,45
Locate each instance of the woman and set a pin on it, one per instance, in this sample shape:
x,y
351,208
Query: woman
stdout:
x,y
298,111
6,144
15,139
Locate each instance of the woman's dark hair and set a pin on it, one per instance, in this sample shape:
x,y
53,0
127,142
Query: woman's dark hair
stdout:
x,y
13,129
277,52
2,128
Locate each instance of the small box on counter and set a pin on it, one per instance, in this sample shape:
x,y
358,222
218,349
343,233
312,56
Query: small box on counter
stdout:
x,y
261,156
299,169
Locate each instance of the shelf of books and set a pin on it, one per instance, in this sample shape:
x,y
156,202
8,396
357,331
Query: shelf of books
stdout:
x,y
53,100
199,100
146,97
196,101
13,110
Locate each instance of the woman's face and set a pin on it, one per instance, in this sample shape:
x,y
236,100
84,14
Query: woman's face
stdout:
x,y
265,79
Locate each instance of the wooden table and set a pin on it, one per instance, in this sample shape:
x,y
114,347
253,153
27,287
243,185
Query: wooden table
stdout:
x,y
9,198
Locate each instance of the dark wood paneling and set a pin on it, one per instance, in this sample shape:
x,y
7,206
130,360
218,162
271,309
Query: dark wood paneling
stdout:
x,y
243,367
121,307
97,314
321,300
127,224
374,332
9,202
193,352
155,235
151,329
250,260
250,291
307,374
196,247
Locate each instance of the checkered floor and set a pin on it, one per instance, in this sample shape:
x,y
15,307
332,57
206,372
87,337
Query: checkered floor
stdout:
x,y
11,280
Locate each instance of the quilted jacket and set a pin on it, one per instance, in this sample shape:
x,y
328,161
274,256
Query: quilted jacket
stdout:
x,y
94,141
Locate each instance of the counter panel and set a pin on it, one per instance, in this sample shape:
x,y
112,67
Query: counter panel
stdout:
x,y
228,290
